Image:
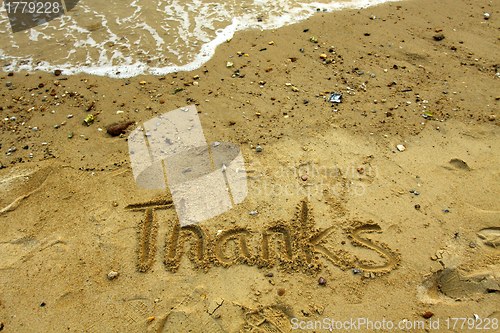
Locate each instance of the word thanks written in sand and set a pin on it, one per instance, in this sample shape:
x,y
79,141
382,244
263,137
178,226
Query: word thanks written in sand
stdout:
x,y
295,245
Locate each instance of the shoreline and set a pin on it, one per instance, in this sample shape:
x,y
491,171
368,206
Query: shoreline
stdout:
x,y
206,52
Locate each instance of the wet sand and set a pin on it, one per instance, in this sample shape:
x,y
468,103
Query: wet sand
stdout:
x,y
395,234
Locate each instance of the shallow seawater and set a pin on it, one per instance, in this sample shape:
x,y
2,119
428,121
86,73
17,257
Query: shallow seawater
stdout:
x,y
132,37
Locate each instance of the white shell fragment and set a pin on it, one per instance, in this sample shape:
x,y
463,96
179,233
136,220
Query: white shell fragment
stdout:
x,y
401,147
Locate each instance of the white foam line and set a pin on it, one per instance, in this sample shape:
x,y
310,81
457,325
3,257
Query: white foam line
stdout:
x,y
152,31
127,69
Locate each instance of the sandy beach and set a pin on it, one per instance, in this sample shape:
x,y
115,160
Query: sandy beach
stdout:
x,y
384,207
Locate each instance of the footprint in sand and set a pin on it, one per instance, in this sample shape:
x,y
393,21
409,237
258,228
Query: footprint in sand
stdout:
x,y
190,315
490,237
459,164
458,284
267,319
19,184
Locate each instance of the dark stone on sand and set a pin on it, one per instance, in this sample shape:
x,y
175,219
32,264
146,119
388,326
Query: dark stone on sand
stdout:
x,y
117,129
438,36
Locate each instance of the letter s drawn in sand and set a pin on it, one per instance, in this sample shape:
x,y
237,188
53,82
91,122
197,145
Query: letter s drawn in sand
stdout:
x,y
392,257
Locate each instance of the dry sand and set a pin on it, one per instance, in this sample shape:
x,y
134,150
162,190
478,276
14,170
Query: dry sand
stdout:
x,y
72,213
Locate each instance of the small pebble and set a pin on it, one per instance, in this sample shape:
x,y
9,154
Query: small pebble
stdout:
x,y
304,177
321,281
254,212
416,193
446,211
8,84
372,75
112,275
427,315
216,144
486,16
13,118
417,206
281,292
258,149
439,36
401,147
35,129
472,245
269,274
356,271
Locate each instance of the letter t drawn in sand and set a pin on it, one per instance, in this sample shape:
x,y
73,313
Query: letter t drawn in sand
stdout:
x,y
148,230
